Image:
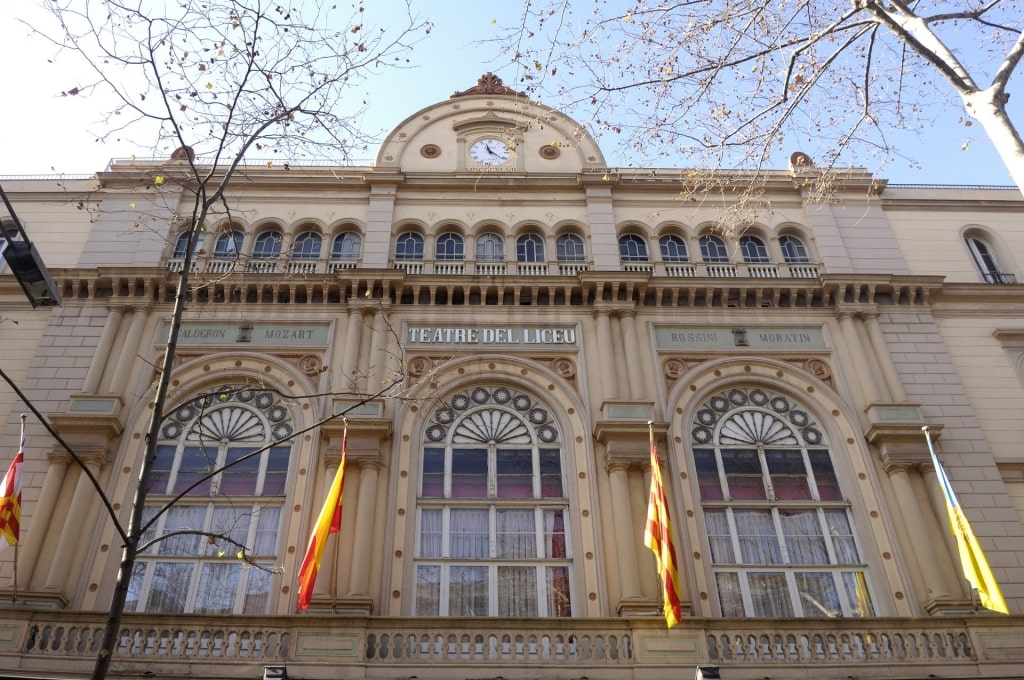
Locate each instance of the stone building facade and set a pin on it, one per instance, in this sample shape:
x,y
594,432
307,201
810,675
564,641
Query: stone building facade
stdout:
x,y
500,316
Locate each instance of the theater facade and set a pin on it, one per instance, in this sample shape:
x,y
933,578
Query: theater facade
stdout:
x,y
502,322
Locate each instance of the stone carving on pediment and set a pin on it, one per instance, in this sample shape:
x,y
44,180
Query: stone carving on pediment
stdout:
x,y
819,368
675,367
489,84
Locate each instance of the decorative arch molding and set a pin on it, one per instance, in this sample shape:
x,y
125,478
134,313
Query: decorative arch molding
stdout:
x,y
449,226
839,421
345,225
672,228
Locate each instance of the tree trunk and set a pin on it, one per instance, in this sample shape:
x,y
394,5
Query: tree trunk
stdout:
x,y
983,107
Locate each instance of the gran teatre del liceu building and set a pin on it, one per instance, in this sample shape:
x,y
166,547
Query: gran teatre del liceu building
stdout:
x,y
537,310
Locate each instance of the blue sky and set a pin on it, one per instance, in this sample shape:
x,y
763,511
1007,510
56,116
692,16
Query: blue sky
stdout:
x,y
45,133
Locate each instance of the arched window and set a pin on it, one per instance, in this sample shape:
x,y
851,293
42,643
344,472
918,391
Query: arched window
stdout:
x,y
754,250
780,531
306,246
712,249
267,245
228,245
490,248
193,573
570,248
409,247
985,259
793,250
673,249
493,535
632,248
449,248
181,245
530,248
347,246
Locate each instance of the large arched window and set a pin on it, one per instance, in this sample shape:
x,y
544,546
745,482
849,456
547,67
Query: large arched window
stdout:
x,y
985,259
228,245
570,248
490,248
347,246
793,249
181,245
493,535
713,250
673,249
632,248
307,246
192,573
754,250
267,245
449,248
409,247
530,248
780,531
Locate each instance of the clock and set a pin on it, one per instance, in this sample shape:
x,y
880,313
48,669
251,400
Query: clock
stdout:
x,y
490,151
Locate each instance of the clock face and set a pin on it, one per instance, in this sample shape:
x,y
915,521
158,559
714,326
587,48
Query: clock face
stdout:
x,y
490,152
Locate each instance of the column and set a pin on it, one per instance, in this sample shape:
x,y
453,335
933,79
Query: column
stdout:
x,y
43,513
378,355
884,359
924,554
625,539
366,505
127,356
604,352
860,357
634,372
103,347
353,336
74,527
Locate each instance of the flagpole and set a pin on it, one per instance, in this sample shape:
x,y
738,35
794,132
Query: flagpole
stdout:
x,y
14,586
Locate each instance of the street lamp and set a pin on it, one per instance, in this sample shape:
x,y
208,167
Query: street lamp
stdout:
x,y
25,263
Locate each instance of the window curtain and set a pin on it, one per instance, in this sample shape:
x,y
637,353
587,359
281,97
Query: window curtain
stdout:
x,y
517,591
469,533
759,543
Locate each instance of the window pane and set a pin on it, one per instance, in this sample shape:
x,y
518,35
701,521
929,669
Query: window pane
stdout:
x,y
169,588
428,590
788,475
707,475
719,537
554,534
551,474
743,475
469,533
559,599
218,584
517,591
240,479
856,584
161,471
131,603
516,534
804,540
265,542
818,595
230,521
467,591
430,532
257,590
178,518
825,476
433,473
841,531
769,594
469,473
730,595
515,474
196,463
276,475
759,543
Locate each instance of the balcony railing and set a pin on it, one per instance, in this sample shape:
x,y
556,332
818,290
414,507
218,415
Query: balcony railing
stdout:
x,y
65,643
999,277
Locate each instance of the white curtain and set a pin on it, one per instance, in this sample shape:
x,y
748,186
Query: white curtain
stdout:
x,y
428,590
769,594
467,591
469,533
759,542
430,532
517,591
719,536
841,531
517,534
804,540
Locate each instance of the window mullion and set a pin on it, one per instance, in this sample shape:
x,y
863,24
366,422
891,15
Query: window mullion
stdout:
x,y
794,593
446,527
823,527
492,532
780,536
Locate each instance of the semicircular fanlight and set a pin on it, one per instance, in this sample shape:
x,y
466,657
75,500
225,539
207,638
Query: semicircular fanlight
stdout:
x,y
756,427
491,426
228,424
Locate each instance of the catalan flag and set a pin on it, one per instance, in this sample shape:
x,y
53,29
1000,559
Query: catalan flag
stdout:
x,y
972,558
10,496
658,537
329,522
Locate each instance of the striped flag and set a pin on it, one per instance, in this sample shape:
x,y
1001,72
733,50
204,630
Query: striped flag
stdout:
x,y
10,496
329,522
972,558
658,537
